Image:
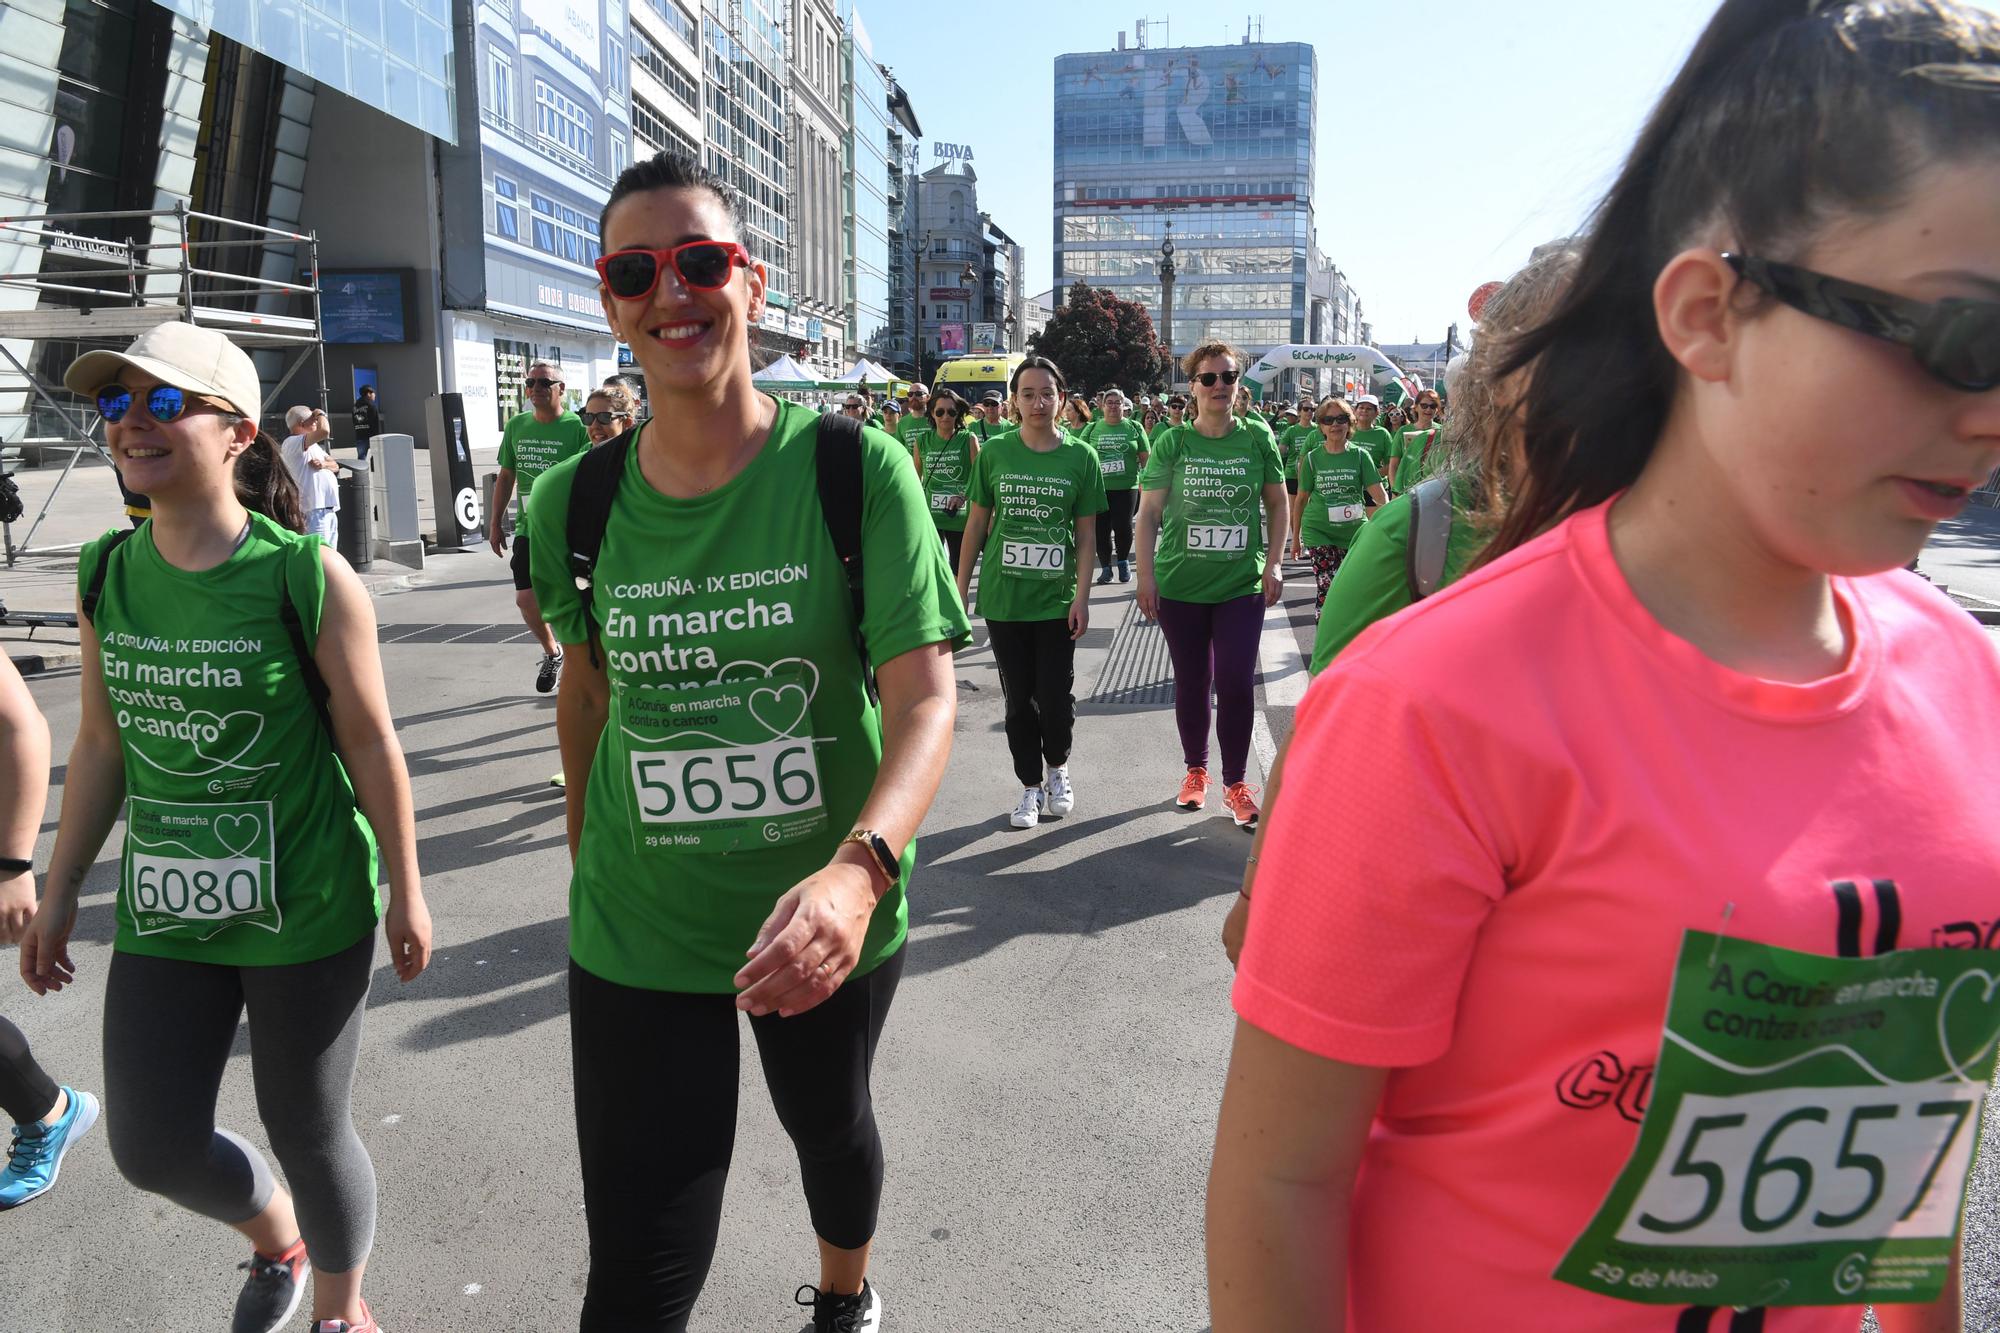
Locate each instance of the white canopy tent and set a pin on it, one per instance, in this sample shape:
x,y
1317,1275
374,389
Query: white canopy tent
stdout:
x,y
867,372
785,370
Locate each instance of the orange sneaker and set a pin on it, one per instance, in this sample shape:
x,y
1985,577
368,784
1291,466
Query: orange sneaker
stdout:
x,y
1194,790
1241,803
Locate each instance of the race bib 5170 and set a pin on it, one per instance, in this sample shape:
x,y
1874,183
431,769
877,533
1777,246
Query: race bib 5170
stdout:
x,y
1809,1135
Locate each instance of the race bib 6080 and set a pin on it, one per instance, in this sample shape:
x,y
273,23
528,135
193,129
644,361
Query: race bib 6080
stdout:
x,y
198,867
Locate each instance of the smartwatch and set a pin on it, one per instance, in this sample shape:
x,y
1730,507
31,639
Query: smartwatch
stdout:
x,y
878,847
15,865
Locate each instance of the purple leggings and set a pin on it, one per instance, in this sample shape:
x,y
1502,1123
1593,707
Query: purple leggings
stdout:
x,y
1214,644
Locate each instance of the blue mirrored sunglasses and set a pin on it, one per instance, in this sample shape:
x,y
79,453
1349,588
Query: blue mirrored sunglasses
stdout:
x,y
164,401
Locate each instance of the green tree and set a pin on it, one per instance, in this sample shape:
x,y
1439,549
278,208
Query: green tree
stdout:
x,y
1102,341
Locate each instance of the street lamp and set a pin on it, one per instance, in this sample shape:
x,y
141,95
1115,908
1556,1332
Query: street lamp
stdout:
x,y
1167,300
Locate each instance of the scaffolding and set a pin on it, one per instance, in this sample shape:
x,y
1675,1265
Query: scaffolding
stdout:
x,y
193,267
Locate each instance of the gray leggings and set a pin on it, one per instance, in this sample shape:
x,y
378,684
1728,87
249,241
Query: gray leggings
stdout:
x,y
168,1029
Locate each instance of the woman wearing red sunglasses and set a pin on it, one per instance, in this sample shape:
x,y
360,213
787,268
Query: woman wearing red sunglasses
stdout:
x,y
720,742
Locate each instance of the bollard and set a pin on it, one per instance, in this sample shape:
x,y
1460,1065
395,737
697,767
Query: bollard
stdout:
x,y
357,515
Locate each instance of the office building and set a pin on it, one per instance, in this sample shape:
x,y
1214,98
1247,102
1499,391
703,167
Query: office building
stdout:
x,y
270,115
521,192
970,268
818,149
666,79
1220,140
868,171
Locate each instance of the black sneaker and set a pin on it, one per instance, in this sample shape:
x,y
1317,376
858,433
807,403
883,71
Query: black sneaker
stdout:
x,y
545,679
271,1293
859,1313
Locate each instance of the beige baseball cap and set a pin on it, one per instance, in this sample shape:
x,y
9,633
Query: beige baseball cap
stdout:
x,y
184,355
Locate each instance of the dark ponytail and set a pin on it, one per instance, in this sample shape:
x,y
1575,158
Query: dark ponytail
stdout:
x,y
264,484
1788,115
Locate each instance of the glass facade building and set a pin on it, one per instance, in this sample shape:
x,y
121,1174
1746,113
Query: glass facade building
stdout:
x,y
865,190
746,84
394,55
1220,140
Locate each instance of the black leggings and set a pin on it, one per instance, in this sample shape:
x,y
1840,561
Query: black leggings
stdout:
x,y
655,1082
1116,519
26,1093
952,541
1037,661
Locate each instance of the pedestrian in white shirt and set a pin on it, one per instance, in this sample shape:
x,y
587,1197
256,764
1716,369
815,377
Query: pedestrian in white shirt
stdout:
x,y
304,452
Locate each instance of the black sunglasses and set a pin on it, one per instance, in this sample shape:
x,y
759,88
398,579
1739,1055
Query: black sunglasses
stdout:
x,y
945,412
598,418
850,407
1207,378
538,382
1956,341
165,401
1336,421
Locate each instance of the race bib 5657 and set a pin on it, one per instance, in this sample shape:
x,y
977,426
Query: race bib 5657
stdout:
x,y
1809,1135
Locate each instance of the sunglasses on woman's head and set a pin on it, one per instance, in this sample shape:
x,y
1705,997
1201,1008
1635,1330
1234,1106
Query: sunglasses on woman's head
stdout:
x,y
701,266
599,418
1207,378
166,402
1957,342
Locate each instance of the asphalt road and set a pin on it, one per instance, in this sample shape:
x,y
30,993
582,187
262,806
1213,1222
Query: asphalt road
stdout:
x,y
1047,1083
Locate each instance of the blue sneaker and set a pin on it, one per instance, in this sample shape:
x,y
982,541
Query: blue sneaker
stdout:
x,y
37,1151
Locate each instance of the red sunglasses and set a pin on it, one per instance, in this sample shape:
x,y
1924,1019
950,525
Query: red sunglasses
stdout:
x,y
701,266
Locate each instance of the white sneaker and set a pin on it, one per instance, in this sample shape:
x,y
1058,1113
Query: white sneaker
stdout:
x,y
1057,793
1028,813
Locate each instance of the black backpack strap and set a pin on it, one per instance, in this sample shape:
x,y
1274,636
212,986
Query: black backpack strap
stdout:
x,y
95,592
837,458
295,630
591,492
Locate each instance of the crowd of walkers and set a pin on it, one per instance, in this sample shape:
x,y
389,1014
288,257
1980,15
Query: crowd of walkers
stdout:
x,y
1615,639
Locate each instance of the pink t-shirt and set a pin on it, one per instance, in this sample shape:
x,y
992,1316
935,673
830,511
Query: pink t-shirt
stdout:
x,y
1558,789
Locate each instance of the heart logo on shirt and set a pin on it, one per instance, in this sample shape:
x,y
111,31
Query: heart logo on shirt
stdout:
x,y
226,739
1969,1020
240,834
780,709
1235,495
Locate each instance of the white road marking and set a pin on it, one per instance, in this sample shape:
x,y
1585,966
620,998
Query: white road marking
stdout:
x,y
1263,743
1281,663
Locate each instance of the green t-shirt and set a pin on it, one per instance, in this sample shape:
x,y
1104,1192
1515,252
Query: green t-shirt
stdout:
x,y
1035,498
946,467
987,430
1374,580
1376,441
1335,488
1212,533
532,447
1118,449
1294,440
243,846
875,420
1413,456
740,743
912,425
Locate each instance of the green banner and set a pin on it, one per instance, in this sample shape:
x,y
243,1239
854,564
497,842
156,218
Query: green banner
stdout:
x,y
1810,1131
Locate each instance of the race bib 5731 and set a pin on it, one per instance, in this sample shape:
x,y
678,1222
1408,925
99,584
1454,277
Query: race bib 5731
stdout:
x,y
1809,1135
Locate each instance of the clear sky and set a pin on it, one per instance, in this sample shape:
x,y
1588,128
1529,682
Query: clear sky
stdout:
x,y
1454,135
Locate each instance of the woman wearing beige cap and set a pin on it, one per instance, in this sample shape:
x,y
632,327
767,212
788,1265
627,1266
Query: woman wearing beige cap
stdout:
x,y
231,685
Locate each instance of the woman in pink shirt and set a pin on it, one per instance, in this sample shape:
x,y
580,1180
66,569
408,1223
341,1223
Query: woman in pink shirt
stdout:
x,y
1712,736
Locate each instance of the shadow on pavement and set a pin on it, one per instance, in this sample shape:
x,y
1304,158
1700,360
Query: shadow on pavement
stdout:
x,y
985,906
